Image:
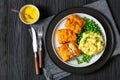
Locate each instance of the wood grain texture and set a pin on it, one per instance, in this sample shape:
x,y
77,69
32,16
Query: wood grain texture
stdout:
x,y
16,54
116,11
3,33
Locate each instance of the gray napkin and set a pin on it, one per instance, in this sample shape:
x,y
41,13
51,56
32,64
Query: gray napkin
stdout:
x,y
51,71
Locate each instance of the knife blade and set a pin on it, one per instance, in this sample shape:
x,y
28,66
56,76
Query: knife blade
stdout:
x,y
34,44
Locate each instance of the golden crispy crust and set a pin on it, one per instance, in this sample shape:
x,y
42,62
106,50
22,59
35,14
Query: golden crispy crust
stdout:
x,y
67,54
66,35
75,23
64,52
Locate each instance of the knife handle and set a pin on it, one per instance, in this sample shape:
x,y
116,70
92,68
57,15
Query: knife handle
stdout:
x,y
40,58
36,65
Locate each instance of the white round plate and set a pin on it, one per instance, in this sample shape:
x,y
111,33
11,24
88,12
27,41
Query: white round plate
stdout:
x,y
55,44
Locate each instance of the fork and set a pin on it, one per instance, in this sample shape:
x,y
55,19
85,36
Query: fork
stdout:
x,y
40,36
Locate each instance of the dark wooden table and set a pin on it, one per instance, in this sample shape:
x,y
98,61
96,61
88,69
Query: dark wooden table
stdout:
x,y
16,56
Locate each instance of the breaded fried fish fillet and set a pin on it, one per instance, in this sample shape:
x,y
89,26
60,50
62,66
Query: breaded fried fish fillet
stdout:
x,y
68,51
75,23
64,52
66,35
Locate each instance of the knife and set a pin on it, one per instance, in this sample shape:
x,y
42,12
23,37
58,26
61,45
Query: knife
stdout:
x,y
34,44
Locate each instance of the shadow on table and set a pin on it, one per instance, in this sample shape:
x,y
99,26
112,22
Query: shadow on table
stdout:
x,y
43,12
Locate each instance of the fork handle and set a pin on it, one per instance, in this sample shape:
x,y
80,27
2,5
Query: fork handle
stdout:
x,y
40,58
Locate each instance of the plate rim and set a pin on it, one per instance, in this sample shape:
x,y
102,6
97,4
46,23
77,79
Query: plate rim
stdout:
x,y
91,68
